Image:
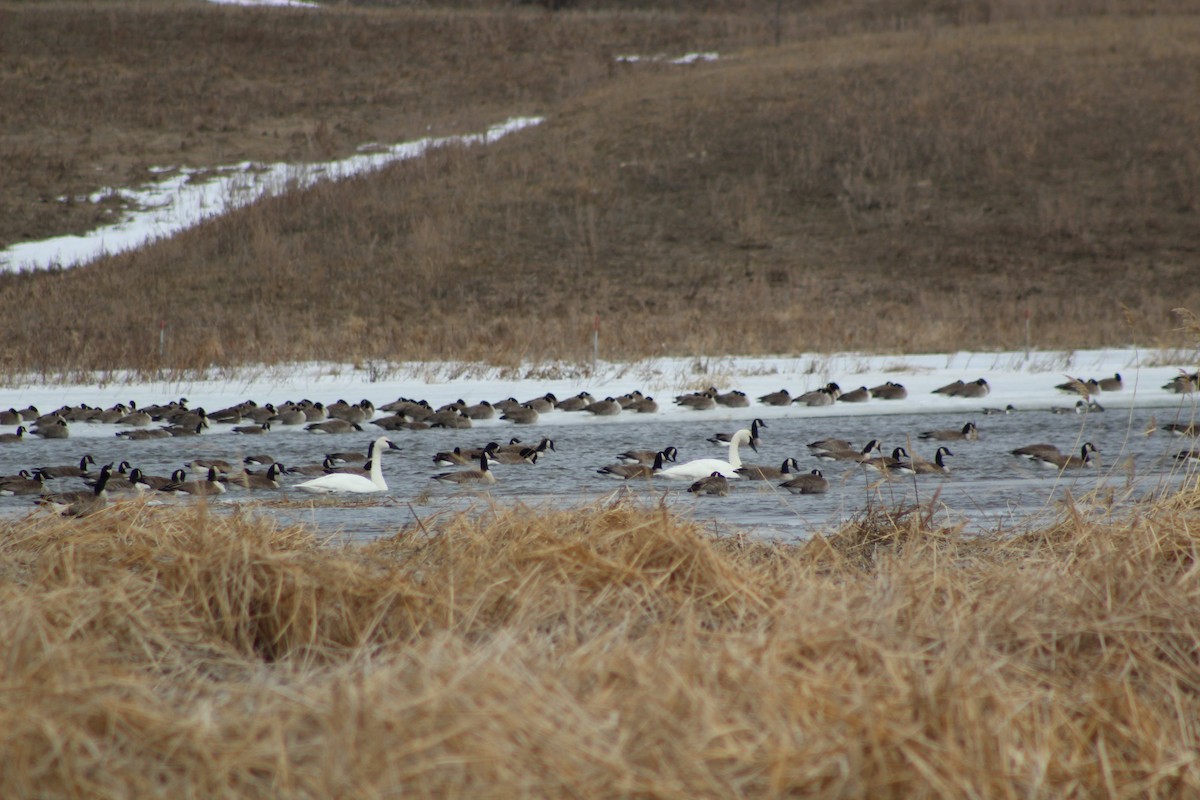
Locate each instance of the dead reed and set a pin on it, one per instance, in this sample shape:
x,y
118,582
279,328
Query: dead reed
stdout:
x,y
607,651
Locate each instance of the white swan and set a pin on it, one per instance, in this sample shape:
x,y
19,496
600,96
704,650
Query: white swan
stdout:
x,y
347,482
704,467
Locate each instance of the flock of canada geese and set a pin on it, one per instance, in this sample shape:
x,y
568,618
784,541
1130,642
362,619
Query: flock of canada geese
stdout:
x,y
362,473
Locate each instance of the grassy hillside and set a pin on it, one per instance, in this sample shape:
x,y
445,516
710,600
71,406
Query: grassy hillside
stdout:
x,y
890,177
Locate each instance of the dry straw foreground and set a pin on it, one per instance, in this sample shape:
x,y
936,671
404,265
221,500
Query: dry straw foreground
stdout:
x,y
902,176
608,652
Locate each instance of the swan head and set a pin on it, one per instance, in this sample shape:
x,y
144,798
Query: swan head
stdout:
x,y
744,436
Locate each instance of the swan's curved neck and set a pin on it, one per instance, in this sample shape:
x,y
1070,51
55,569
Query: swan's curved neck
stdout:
x,y
735,460
377,468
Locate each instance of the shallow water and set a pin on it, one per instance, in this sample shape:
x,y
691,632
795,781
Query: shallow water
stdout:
x,y
987,490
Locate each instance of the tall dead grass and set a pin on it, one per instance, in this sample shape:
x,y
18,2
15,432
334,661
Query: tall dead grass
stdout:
x,y
608,651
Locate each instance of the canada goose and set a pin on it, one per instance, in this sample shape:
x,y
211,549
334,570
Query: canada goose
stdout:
x,y
317,412
528,455
333,426
626,471
812,483
950,389
830,444
542,404
481,475
186,430
898,461
936,467
23,483
135,419
604,408
313,469
1080,407
340,409
704,467
453,458
646,405
576,403
413,409
860,395
724,438
1008,409
189,419
142,434
56,429
520,415
290,416
30,413
124,483
232,414
209,485
79,504
758,472
734,399
481,410
257,480
347,457
259,414
516,446
825,396
11,417
397,422
1184,383
253,430
16,436
1180,429
698,401
1079,386
362,411
258,459
968,431
849,453
1113,384
978,388
889,391
161,481
1060,461
473,453
647,456
357,484
781,398
630,398
219,464
715,484
79,470
1182,455
448,418
1031,450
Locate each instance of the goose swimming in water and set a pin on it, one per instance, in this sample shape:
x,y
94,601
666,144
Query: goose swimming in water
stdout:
x,y
705,467
339,482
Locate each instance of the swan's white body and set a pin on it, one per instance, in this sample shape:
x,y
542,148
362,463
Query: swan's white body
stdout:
x,y
343,482
704,467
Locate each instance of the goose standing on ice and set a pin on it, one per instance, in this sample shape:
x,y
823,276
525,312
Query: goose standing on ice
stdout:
x,y
705,467
339,482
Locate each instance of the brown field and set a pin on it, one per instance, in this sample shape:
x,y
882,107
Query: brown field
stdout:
x,y
900,176
606,652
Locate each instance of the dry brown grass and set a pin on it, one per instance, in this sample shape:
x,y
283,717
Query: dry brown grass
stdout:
x,y
895,176
611,651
